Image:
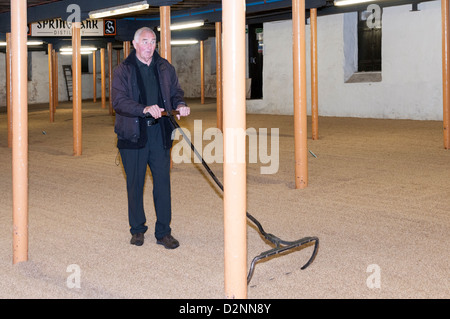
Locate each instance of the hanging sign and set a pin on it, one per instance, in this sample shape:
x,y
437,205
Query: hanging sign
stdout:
x,y
61,28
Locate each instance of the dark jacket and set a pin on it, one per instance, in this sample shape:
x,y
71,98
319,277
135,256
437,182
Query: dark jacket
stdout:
x,y
129,104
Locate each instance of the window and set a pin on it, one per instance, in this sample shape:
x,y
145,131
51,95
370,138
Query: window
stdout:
x,y
85,63
255,62
369,39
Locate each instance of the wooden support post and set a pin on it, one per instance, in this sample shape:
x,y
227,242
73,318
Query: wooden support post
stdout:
x,y
126,49
202,72
76,71
8,65
314,77
51,99
103,75
166,49
118,56
20,130
94,75
165,37
446,71
55,79
234,119
110,74
300,116
219,75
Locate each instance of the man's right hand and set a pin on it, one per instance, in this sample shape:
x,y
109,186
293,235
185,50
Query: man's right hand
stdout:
x,y
154,111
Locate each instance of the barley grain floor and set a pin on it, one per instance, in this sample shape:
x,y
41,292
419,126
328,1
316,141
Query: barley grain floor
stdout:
x,y
378,199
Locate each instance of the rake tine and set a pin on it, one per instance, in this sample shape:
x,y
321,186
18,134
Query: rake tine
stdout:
x,y
280,249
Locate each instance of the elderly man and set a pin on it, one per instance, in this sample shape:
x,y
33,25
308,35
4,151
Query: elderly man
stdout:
x,y
143,86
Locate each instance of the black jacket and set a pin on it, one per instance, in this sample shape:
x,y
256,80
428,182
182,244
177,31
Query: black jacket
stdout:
x,y
128,102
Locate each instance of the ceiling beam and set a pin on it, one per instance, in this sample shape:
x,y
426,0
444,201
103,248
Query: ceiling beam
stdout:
x,y
59,10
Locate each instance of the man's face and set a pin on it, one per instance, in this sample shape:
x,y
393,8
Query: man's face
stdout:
x,y
145,46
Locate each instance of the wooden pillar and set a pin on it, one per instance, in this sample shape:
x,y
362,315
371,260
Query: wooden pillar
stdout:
x,y
219,74
314,77
118,56
8,65
126,49
446,71
51,99
110,74
55,79
166,49
103,75
300,116
94,75
20,130
202,72
234,118
76,71
165,38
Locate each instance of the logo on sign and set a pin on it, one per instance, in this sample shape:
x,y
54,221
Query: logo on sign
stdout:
x,y
109,26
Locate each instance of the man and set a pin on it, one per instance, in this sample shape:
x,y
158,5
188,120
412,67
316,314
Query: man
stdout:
x,y
144,85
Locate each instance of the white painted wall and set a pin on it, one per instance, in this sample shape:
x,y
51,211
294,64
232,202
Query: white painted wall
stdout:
x,y
186,60
411,86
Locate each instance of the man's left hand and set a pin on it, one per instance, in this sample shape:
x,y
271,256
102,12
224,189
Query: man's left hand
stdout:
x,y
183,110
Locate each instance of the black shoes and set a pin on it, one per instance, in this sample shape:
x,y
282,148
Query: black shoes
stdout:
x,y
137,239
168,242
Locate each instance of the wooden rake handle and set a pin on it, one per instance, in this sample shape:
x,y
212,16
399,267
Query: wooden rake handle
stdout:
x,y
165,113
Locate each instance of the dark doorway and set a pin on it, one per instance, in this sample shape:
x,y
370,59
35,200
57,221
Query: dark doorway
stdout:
x,y
255,63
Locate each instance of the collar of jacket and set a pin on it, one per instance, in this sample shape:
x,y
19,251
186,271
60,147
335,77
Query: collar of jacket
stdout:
x,y
131,59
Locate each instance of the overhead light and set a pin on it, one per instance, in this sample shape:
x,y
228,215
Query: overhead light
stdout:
x,y
31,43
35,42
113,11
183,42
349,2
83,50
185,25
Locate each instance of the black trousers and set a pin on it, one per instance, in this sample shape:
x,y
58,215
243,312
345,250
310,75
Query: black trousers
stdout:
x,y
135,163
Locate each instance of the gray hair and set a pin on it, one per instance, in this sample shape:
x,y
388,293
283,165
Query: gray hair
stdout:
x,y
138,33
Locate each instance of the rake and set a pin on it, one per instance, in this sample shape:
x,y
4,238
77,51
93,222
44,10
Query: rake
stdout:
x,y
280,245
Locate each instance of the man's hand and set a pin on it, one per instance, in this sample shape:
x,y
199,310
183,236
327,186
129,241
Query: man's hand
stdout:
x,y
183,110
154,110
